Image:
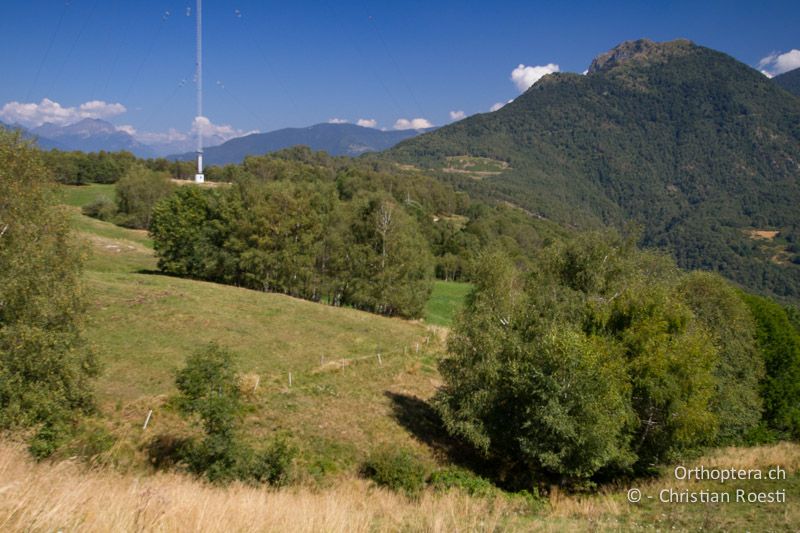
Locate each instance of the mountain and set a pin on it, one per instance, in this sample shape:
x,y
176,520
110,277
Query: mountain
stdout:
x,y
336,139
789,81
90,135
41,142
700,150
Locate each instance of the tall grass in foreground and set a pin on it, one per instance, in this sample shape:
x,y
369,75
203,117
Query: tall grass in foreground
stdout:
x,y
65,497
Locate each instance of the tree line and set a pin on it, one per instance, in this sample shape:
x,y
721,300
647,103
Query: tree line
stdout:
x,y
603,360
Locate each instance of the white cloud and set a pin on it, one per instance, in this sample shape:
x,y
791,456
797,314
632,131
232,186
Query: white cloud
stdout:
x,y
413,124
170,136
499,105
127,128
457,115
216,131
523,76
367,122
33,114
337,121
776,63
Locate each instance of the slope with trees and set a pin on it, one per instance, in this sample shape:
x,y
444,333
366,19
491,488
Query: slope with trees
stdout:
x,y
695,146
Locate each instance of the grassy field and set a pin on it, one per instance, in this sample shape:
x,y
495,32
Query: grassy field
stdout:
x,y
343,401
142,325
446,300
67,496
78,196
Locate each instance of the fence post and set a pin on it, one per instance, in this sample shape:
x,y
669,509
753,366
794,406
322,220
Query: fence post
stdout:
x,y
147,420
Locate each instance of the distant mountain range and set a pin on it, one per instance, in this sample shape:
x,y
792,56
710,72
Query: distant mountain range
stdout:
x,y
789,81
93,135
336,139
700,150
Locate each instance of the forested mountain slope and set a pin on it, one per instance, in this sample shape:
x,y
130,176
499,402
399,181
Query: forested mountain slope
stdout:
x,y
789,81
700,149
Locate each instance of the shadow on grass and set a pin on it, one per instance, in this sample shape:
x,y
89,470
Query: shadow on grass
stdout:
x,y
421,420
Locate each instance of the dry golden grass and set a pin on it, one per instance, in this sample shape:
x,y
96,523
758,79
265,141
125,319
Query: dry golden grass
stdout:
x,y
64,496
611,502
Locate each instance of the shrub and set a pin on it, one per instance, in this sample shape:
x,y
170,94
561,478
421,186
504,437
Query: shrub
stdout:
x,y
209,389
399,470
591,363
458,478
103,208
138,191
778,342
273,465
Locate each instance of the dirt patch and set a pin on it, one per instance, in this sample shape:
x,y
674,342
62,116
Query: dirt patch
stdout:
x,y
763,234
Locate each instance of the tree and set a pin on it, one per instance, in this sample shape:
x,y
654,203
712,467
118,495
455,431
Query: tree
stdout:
x,y
778,342
45,366
209,389
590,362
387,260
138,191
737,402
177,228
554,402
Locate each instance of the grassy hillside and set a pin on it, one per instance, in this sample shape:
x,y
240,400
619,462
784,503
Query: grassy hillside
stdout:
x,y
142,326
696,147
343,401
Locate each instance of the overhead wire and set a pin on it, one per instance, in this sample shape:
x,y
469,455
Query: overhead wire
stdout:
x,y
75,41
121,46
221,85
47,50
164,17
106,46
157,109
257,45
365,61
403,78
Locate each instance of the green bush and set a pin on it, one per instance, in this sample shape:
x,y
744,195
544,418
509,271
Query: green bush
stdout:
x,y
138,191
91,442
778,341
591,363
103,208
458,478
398,470
209,390
273,465
50,437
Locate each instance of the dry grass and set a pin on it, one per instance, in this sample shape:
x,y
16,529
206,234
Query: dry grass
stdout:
x,y
609,508
762,234
65,497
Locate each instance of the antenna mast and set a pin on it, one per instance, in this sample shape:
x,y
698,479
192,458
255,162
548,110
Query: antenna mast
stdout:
x,y
199,177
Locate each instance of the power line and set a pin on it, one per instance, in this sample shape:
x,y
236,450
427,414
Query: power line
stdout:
x,y
365,61
116,57
47,50
256,44
86,21
403,78
153,41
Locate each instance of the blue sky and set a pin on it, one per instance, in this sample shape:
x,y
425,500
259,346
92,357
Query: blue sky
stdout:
x,y
271,65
